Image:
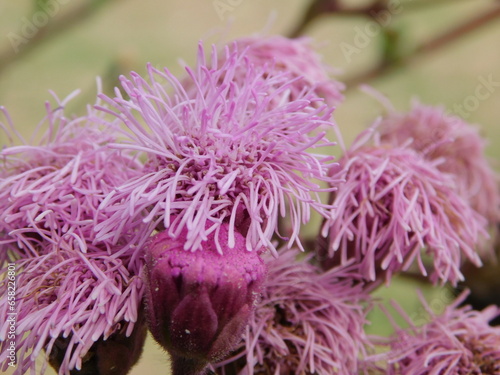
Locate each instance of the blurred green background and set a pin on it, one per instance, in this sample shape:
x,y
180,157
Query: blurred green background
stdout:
x,y
108,38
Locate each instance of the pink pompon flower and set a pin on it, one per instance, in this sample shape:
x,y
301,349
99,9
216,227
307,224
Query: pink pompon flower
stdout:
x,y
296,56
307,322
67,301
393,206
73,292
50,192
459,146
220,153
458,342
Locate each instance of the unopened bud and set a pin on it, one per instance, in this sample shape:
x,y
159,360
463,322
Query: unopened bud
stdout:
x,y
199,302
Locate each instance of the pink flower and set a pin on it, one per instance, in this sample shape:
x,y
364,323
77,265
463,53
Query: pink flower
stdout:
x,y
73,292
199,303
292,56
460,341
308,322
67,302
220,154
393,206
458,146
50,193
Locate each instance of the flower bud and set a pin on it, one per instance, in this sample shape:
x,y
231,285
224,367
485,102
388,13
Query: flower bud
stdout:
x,y
199,302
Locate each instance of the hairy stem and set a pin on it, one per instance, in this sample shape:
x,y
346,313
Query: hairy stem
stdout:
x,y
187,366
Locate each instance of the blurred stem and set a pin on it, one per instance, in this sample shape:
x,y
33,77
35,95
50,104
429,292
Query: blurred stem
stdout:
x,y
319,8
432,45
322,7
9,56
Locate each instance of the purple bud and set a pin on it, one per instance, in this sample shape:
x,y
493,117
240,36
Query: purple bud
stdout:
x,y
199,302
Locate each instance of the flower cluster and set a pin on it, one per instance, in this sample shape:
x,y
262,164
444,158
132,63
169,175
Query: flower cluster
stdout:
x,y
220,152
392,205
307,322
69,304
458,147
164,207
71,290
459,341
51,192
294,57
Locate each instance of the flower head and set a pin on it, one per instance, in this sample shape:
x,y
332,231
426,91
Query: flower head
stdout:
x,y
294,56
73,292
50,193
220,153
460,341
395,204
307,322
438,135
71,298
199,303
